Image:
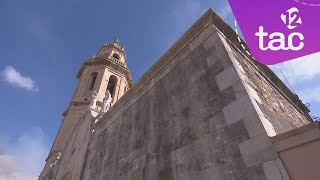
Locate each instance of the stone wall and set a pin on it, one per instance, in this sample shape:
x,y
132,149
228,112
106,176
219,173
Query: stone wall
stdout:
x,y
202,111
179,125
270,100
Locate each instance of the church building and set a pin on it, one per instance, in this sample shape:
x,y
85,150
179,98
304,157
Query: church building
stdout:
x,y
205,110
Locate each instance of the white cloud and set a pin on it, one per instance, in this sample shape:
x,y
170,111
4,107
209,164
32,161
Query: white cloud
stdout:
x,y
9,170
301,69
310,94
23,159
13,77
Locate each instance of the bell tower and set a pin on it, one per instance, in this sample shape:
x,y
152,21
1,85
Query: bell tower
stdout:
x,y
106,71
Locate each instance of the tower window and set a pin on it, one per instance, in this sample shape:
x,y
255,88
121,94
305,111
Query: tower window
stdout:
x,y
112,85
115,55
93,80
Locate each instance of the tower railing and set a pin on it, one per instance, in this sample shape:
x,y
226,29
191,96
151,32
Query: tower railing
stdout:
x,y
112,59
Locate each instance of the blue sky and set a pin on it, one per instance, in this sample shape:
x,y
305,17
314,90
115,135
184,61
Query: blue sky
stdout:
x,y
43,43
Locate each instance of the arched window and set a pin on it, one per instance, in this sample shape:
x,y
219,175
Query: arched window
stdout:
x,y
112,85
125,89
115,55
93,80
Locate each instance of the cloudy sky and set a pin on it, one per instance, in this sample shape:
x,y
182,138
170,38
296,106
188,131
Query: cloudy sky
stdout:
x,y
43,43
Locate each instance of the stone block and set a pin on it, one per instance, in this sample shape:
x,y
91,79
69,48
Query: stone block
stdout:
x,y
282,169
239,89
207,174
212,40
235,133
226,78
166,174
238,109
151,170
274,170
211,60
210,29
257,150
223,48
254,125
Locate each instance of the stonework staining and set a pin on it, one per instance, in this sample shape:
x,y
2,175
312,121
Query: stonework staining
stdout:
x,y
275,106
204,110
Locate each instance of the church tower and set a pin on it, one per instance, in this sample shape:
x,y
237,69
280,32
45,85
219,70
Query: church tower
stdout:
x,y
105,71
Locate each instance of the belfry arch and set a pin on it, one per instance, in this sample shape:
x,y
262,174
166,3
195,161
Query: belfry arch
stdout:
x,y
112,85
93,80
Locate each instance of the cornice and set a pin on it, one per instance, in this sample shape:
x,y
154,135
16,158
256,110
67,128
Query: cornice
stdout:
x,y
75,103
78,103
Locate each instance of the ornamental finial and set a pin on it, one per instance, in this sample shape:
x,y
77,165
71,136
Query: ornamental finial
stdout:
x,y
116,40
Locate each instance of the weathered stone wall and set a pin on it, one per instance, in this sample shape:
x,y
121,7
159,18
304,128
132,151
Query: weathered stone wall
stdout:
x,y
73,157
179,124
70,161
203,111
272,103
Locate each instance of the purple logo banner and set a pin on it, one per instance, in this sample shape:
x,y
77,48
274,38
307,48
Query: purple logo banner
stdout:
x,y
279,30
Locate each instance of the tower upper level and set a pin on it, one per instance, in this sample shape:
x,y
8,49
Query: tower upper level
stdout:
x,y
106,71
114,52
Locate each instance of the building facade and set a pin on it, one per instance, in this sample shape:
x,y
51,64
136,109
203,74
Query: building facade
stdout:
x,y
105,71
204,110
